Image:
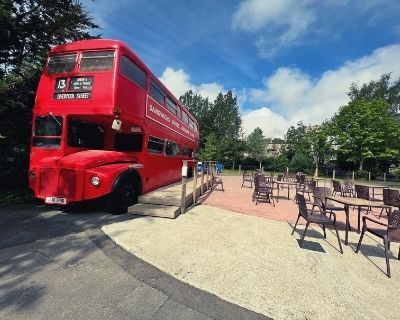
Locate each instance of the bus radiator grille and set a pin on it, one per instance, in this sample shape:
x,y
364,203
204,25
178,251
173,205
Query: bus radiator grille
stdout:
x,y
47,187
67,183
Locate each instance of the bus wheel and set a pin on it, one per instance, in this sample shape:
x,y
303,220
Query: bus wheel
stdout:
x,y
123,196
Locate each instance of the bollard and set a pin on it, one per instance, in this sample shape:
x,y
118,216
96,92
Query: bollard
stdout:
x,y
384,177
240,168
333,174
353,176
184,179
369,175
194,182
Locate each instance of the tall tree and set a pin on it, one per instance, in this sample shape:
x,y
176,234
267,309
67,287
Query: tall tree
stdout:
x,y
256,145
296,141
366,130
227,125
28,28
320,145
200,108
382,88
220,118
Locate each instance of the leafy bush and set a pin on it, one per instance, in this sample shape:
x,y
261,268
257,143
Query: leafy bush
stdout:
x,y
300,162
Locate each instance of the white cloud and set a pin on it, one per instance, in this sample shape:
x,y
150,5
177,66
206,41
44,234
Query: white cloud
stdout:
x,y
292,95
178,82
283,22
272,124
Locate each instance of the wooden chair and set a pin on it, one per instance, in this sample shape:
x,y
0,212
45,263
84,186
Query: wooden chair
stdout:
x,y
390,234
247,178
217,181
316,217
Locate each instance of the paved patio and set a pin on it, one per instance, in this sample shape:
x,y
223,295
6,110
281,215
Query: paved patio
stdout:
x,y
246,254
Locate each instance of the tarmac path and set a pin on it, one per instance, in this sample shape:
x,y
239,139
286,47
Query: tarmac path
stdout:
x,y
58,265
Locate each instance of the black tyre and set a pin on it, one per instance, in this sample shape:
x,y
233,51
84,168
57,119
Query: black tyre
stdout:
x,y
124,195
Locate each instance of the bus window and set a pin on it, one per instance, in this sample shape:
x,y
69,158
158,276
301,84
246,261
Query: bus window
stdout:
x,y
97,61
130,70
184,152
191,123
47,133
128,142
61,63
172,107
171,149
155,145
157,93
185,117
84,134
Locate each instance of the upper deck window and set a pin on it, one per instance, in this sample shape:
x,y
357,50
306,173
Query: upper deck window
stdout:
x,y
47,132
61,63
172,107
185,117
157,93
130,70
97,61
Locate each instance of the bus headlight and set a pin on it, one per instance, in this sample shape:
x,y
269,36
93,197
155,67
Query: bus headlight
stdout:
x,y
95,181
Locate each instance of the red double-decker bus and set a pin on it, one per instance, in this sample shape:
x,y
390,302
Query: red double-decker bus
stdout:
x,y
105,127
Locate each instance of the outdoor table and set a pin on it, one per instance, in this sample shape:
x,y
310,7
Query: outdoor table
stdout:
x,y
356,202
373,187
287,183
325,180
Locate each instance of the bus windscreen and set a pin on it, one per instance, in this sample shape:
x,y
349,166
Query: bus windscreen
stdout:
x,y
61,63
97,61
48,130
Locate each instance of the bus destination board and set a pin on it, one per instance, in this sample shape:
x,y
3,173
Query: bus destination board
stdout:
x,y
81,84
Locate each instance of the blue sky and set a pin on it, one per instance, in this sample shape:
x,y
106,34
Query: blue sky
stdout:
x,y
286,60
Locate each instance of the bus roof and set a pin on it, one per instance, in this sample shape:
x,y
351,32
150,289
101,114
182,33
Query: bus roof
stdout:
x,y
95,44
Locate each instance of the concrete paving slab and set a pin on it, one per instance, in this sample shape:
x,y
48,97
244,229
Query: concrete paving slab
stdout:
x,y
257,264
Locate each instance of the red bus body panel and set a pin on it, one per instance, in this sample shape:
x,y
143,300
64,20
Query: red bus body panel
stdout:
x,y
66,171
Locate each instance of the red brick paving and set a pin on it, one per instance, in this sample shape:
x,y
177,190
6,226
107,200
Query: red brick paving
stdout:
x,y
238,199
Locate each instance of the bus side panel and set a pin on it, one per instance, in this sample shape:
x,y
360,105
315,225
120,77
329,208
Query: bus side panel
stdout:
x,y
130,97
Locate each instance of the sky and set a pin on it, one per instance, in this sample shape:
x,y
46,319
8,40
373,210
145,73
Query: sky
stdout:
x,y
285,60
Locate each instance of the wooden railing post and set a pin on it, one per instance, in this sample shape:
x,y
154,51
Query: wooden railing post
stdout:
x,y
384,177
184,179
369,175
240,168
353,176
333,174
202,181
194,181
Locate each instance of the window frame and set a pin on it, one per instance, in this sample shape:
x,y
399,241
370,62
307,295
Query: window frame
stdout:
x,y
129,61
158,89
83,58
152,151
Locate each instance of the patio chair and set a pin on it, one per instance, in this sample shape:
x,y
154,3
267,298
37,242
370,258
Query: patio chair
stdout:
x,y
343,190
320,201
263,191
247,178
217,181
390,234
308,187
317,218
391,198
348,188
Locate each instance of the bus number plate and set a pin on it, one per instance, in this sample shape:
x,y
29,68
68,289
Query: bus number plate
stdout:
x,y
55,200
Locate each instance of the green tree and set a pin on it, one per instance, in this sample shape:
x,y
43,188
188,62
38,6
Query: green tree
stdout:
x,y
28,28
320,145
383,88
366,130
256,145
200,108
210,150
220,118
296,141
